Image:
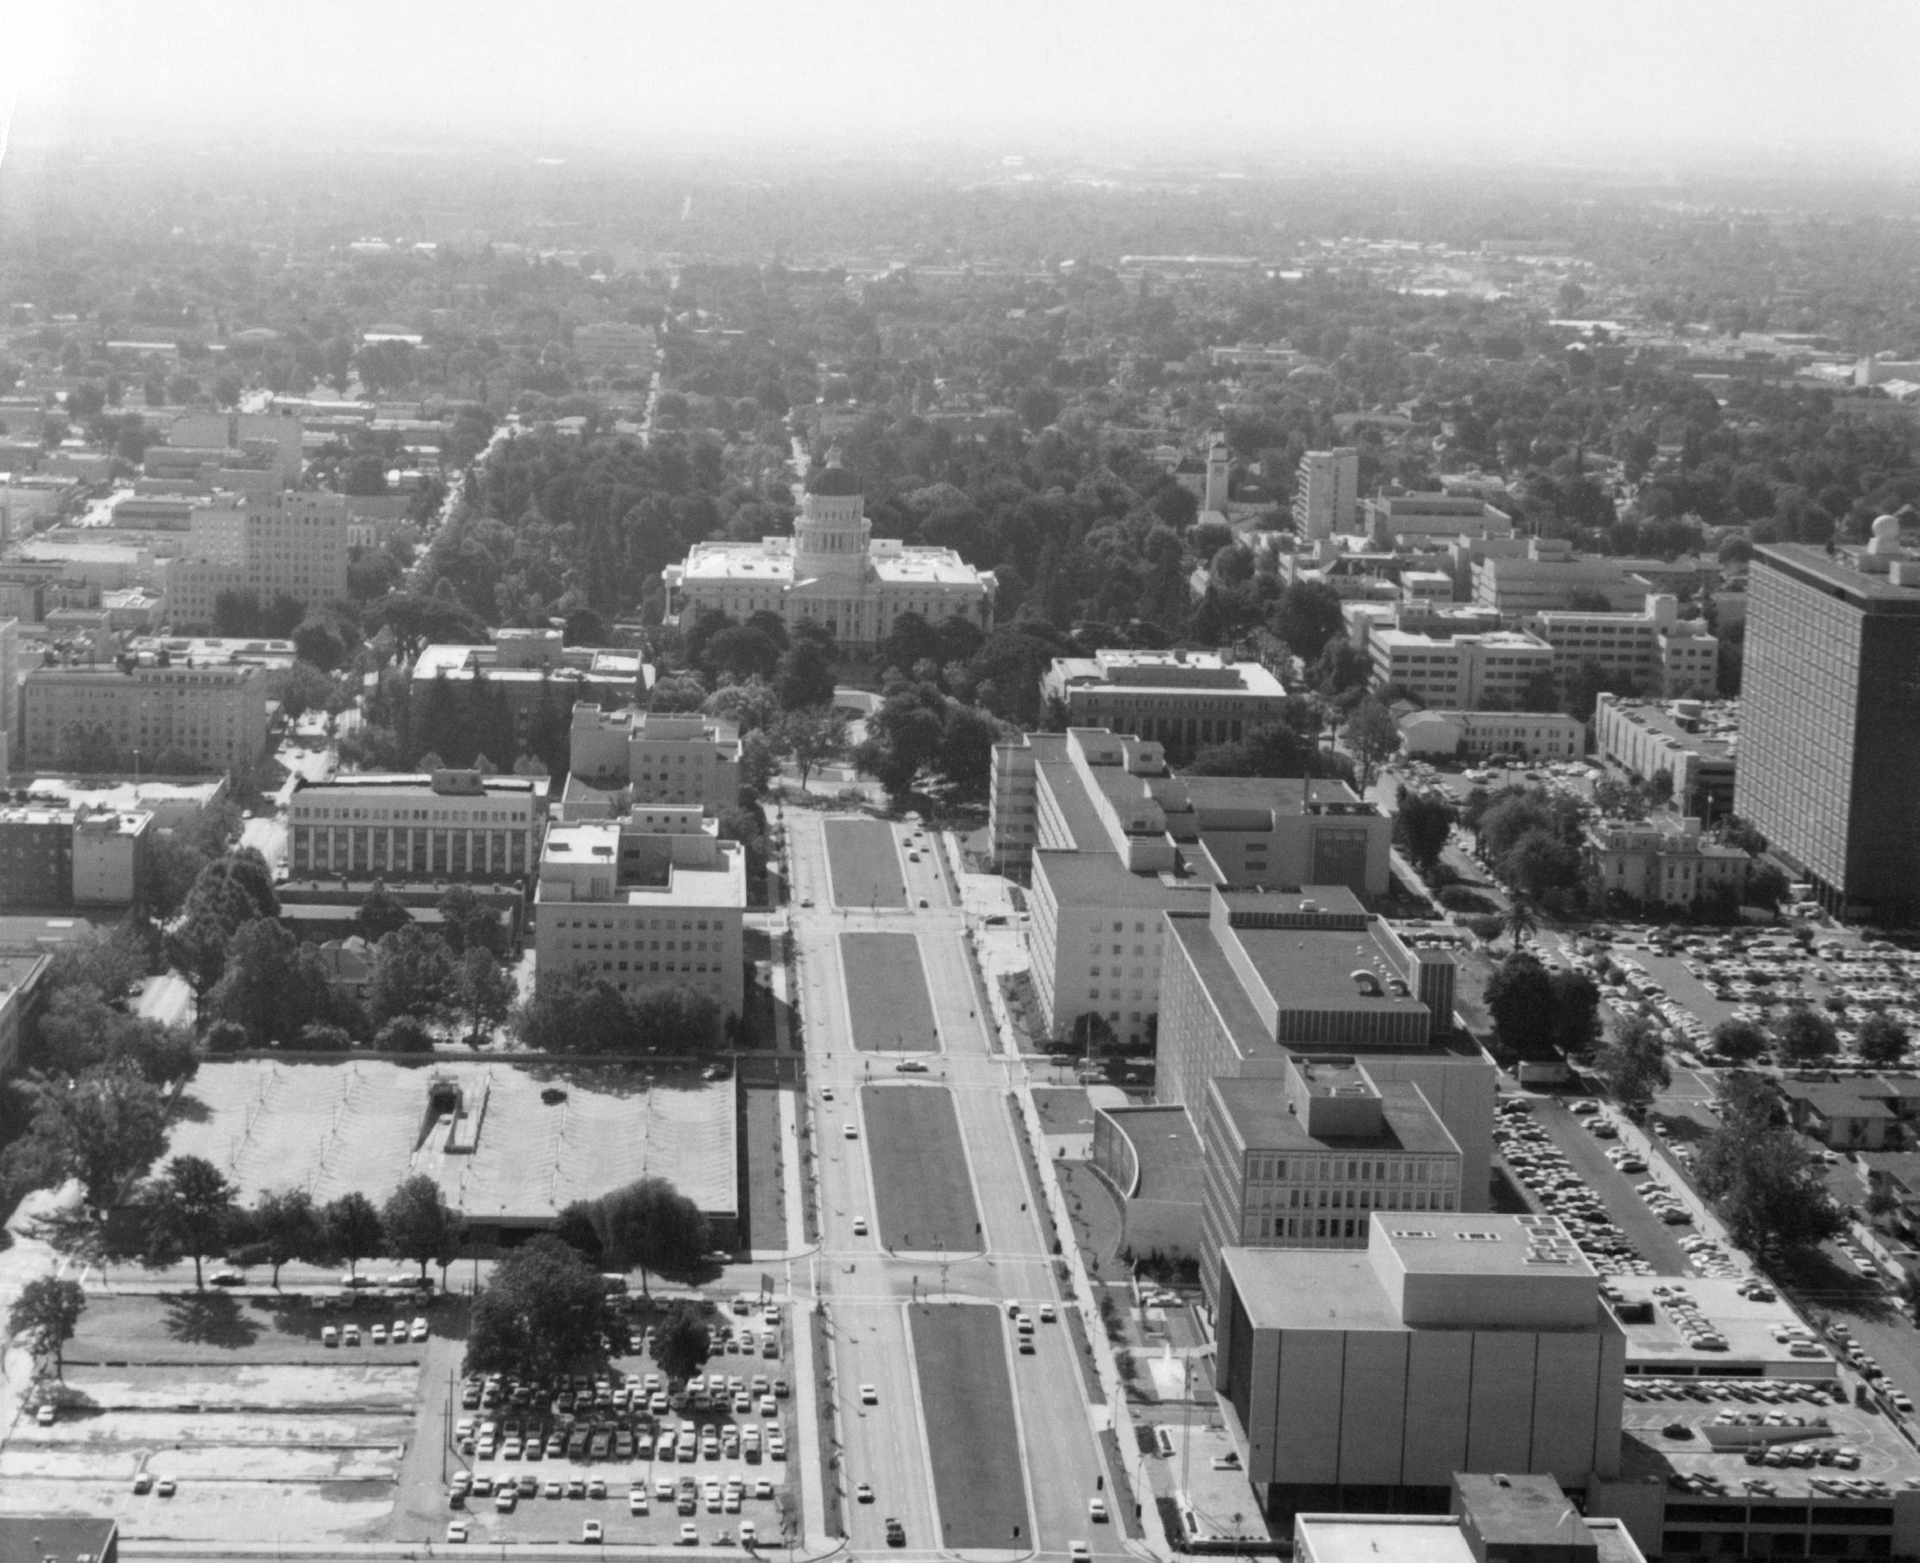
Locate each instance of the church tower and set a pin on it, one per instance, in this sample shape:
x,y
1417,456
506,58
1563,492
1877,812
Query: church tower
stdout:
x,y
831,532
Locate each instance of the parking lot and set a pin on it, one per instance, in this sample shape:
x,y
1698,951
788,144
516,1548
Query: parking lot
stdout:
x,y
541,1463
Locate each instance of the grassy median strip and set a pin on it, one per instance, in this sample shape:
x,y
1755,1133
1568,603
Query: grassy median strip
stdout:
x,y
865,863
887,997
923,1191
973,1438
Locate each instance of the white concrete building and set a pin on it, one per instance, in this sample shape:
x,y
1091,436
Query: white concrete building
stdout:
x,y
643,904
1182,699
1461,672
831,572
658,757
1326,492
1474,735
291,544
449,824
1654,649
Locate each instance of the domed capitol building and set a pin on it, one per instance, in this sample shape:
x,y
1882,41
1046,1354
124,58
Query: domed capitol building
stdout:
x,y
832,571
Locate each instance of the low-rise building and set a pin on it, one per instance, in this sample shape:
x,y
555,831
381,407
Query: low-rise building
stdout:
x,y
643,906
1663,861
1183,700
1461,672
210,718
1475,735
1546,575
1694,744
1394,520
1365,1378
442,825
657,757
1653,649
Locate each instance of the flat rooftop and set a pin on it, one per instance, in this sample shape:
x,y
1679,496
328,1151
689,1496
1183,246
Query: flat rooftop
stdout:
x,y
1168,1151
1719,1433
1838,576
1099,879
507,1155
1312,968
1757,1333
1258,1108
1383,1538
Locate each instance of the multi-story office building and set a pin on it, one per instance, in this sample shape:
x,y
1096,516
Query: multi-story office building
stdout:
x,y
1460,672
538,677
1830,719
1300,1161
1093,791
832,572
1663,861
1183,700
1694,744
656,757
1365,1378
1477,735
1119,840
1402,520
643,904
276,544
444,825
1326,492
212,718
1653,650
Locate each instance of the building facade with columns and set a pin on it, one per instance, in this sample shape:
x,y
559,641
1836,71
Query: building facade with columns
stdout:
x,y
832,571
447,825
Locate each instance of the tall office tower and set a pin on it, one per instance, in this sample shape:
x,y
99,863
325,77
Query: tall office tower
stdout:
x,y
1830,741
1326,492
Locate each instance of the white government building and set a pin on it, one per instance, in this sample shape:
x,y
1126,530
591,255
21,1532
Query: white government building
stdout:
x,y
832,571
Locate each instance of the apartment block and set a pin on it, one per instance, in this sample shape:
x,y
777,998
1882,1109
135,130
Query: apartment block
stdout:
x,y
1693,743
657,757
641,906
443,825
59,857
1183,700
1460,672
1653,650
1365,1379
1830,739
211,718
276,544
1326,492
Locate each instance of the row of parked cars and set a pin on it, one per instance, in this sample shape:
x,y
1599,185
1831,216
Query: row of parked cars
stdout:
x,y
1543,1167
398,1333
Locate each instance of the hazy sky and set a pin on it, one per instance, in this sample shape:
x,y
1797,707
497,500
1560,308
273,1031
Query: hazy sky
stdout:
x,y
1677,78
